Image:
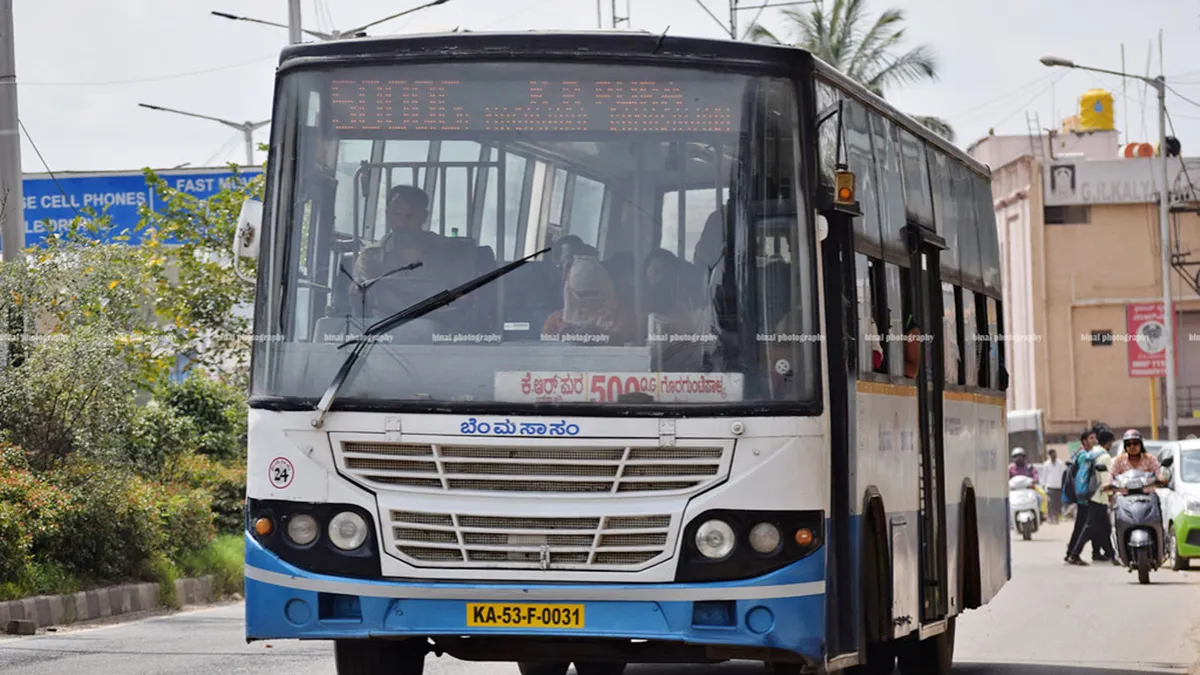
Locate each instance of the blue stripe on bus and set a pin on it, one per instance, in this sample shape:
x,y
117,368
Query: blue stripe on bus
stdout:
x,y
763,616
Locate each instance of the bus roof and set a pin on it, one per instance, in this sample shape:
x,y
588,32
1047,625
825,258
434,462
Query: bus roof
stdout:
x,y
599,42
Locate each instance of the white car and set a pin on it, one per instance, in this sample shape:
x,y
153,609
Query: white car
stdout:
x,y
1181,502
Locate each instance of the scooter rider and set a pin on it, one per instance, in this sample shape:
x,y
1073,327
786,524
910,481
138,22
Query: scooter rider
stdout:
x,y
1021,467
1135,457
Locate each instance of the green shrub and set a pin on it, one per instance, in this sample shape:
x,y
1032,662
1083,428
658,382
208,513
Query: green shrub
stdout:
x,y
227,485
31,513
70,394
158,437
164,572
216,410
188,519
224,559
115,527
14,549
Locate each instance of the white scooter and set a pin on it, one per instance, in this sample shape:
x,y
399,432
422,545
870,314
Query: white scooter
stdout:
x,y
1023,506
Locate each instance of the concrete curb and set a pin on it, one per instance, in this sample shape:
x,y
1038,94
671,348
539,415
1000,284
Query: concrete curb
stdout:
x,y
56,610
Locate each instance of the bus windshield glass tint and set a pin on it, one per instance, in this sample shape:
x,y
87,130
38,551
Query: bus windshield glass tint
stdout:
x,y
682,268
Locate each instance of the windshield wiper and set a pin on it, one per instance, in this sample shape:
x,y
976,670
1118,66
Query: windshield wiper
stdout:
x,y
430,304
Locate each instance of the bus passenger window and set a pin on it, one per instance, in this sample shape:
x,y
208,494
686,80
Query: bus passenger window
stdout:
x,y
587,210
870,341
971,346
950,331
993,345
896,304
910,330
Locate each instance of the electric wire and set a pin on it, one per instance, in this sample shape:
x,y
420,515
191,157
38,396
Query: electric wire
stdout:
x,y
1024,106
46,165
159,78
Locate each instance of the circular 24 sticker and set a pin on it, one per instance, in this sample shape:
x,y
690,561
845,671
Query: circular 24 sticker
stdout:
x,y
281,472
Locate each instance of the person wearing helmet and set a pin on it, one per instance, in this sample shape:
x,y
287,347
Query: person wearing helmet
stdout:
x,y
1020,466
1135,456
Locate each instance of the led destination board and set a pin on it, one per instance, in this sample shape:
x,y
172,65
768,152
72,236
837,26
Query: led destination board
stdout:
x,y
532,106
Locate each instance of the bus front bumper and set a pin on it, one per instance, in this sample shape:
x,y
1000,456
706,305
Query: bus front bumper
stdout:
x,y
783,610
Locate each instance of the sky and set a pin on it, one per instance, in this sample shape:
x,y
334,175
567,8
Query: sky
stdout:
x,y
83,67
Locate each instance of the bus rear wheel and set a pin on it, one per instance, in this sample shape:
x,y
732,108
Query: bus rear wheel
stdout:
x,y
933,656
380,657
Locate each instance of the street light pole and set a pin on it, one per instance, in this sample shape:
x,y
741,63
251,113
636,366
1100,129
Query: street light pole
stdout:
x,y
294,24
247,128
1164,210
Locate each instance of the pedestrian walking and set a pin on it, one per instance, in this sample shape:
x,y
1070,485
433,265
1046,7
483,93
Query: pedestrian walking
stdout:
x,y
1052,473
1101,531
1080,484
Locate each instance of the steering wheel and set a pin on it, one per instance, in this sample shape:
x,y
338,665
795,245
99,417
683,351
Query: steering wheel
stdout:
x,y
393,294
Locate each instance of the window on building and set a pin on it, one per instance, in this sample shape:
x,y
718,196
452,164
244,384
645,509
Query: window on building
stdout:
x,y
1068,215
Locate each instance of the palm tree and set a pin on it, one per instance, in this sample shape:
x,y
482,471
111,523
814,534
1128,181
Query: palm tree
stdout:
x,y
842,38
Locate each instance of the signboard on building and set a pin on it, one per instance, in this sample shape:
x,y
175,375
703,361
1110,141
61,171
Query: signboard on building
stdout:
x,y
54,202
1146,337
1068,182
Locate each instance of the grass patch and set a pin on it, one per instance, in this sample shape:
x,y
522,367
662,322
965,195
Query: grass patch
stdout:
x,y
223,559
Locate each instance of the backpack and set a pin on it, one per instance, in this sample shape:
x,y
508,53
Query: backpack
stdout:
x,y
1085,481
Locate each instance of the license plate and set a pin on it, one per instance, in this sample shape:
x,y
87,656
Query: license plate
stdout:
x,y
515,615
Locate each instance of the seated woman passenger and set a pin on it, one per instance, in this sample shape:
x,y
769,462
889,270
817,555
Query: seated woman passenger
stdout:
x,y
590,313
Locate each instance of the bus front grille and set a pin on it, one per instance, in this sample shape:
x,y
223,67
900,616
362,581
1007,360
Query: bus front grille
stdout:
x,y
554,470
614,543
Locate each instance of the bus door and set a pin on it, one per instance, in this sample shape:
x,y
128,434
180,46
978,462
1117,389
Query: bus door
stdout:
x,y
925,287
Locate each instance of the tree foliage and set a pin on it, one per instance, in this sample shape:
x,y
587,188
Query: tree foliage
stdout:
x,y
842,34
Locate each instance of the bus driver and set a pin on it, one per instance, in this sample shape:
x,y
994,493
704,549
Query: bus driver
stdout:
x,y
406,241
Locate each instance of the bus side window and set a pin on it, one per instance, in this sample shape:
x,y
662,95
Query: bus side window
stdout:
x,y
872,356
994,347
971,346
950,330
897,302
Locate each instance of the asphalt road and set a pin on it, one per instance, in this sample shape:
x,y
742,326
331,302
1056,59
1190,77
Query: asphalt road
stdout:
x,y
1050,620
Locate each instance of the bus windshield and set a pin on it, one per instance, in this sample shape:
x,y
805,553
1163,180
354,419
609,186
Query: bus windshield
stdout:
x,y
682,268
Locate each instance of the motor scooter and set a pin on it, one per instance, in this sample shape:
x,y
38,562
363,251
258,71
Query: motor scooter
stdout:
x,y
1023,506
1137,531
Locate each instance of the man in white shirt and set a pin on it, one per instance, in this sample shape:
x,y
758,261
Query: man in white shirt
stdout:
x,y
1102,550
1052,472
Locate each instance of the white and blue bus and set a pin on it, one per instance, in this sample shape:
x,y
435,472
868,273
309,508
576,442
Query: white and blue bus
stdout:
x,y
717,376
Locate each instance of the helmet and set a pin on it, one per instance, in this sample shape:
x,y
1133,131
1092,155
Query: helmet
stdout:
x,y
1018,452
1132,435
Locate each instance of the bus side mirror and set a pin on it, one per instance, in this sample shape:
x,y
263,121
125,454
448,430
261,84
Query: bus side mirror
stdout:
x,y
249,229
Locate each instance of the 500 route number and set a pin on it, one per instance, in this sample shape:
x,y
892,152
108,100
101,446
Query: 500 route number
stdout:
x,y
501,615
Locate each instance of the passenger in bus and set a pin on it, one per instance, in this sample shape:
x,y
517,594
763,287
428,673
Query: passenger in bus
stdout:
x,y
590,312
406,241
565,248
664,293
710,244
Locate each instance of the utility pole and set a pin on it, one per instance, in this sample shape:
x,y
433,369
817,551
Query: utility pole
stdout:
x,y
1164,210
733,27
294,26
247,128
12,197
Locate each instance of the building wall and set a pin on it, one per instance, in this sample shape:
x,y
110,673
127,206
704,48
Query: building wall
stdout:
x,y
1093,271
1019,251
997,151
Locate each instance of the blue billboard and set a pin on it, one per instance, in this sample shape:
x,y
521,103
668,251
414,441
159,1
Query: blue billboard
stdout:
x,y
54,202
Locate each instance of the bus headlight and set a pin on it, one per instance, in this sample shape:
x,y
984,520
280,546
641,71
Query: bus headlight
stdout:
x,y
303,529
347,530
715,540
765,538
